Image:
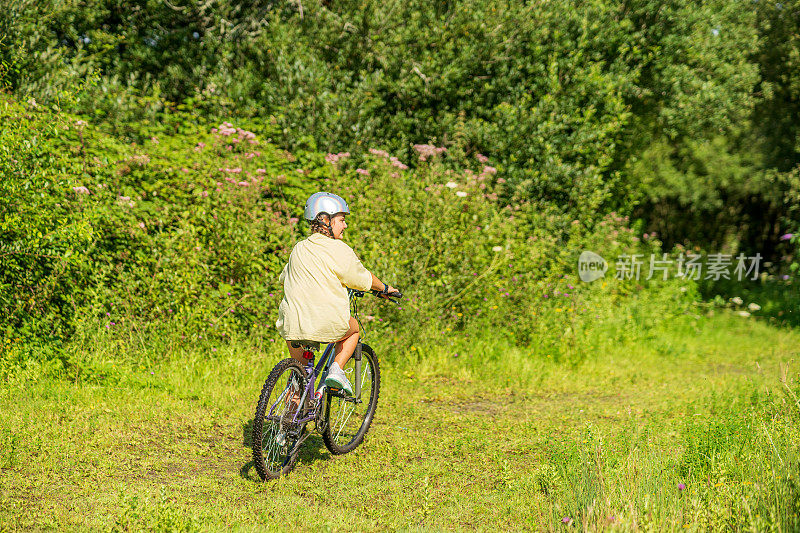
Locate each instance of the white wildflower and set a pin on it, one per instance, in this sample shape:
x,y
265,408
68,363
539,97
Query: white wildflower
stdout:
x,y
451,184
743,313
497,249
754,307
737,300
461,194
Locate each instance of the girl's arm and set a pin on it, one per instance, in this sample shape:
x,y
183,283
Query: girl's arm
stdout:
x,y
377,285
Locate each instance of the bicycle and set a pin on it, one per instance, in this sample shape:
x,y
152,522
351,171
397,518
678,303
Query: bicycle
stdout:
x,y
280,425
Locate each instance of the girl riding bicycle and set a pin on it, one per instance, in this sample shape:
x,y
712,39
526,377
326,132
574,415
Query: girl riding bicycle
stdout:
x,y
315,305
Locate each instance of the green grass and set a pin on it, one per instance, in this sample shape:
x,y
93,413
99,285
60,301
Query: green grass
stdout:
x,y
495,438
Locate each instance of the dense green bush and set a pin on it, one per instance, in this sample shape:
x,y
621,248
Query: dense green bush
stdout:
x,y
45,230
181,238
133,207
561,98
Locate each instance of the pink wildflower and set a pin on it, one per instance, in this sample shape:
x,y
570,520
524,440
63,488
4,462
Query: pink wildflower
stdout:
x,y
428,150
334,158
362,171
140,160
397,163
379,153
154,140
482,158
81,190
260,171
489,170
226,129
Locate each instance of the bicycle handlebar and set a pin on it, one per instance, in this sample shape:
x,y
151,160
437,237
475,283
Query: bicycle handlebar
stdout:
x,y
379,294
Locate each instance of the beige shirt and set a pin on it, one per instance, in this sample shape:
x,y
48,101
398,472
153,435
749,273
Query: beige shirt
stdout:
x,y
315,305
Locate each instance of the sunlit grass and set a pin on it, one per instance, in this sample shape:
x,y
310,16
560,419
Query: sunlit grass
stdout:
x,y
691,428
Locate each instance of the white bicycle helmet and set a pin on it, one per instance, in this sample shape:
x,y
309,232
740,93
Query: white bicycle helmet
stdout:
x,y
324,202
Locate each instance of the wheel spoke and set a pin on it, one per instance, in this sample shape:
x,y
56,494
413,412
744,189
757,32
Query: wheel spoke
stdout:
x,y
344,423
347,417
271,453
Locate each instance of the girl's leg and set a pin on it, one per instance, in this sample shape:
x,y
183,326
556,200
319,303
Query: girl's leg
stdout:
x,y
297,354
347,344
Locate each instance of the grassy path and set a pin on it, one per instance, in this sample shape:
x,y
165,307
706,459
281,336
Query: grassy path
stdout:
x,y
526,444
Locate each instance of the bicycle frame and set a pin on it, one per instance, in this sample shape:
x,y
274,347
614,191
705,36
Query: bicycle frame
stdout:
x,y
324,364
321,369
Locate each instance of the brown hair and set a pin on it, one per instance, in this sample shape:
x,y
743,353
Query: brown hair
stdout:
x,y
318,225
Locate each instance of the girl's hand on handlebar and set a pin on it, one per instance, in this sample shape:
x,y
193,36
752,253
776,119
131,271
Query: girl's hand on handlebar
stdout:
x,y
391,291
388,294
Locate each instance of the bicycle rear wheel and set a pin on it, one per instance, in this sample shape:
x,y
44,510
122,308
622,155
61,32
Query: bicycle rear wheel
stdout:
x,y
274,435
349,419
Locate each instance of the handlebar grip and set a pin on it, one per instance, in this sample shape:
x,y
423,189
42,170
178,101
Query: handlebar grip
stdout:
x,y
380,294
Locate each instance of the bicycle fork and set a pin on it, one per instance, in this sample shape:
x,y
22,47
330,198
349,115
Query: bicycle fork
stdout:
x,y
357,384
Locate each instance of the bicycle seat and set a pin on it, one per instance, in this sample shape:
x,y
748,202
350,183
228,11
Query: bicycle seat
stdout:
x,y
311,346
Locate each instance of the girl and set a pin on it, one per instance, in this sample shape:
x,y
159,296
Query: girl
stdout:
x,y
315,305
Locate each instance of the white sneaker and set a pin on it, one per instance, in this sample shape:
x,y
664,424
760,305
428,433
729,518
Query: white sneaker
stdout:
x,y
338,380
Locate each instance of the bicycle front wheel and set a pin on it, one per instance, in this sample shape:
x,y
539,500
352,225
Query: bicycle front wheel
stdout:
x,y
274,434
348,419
